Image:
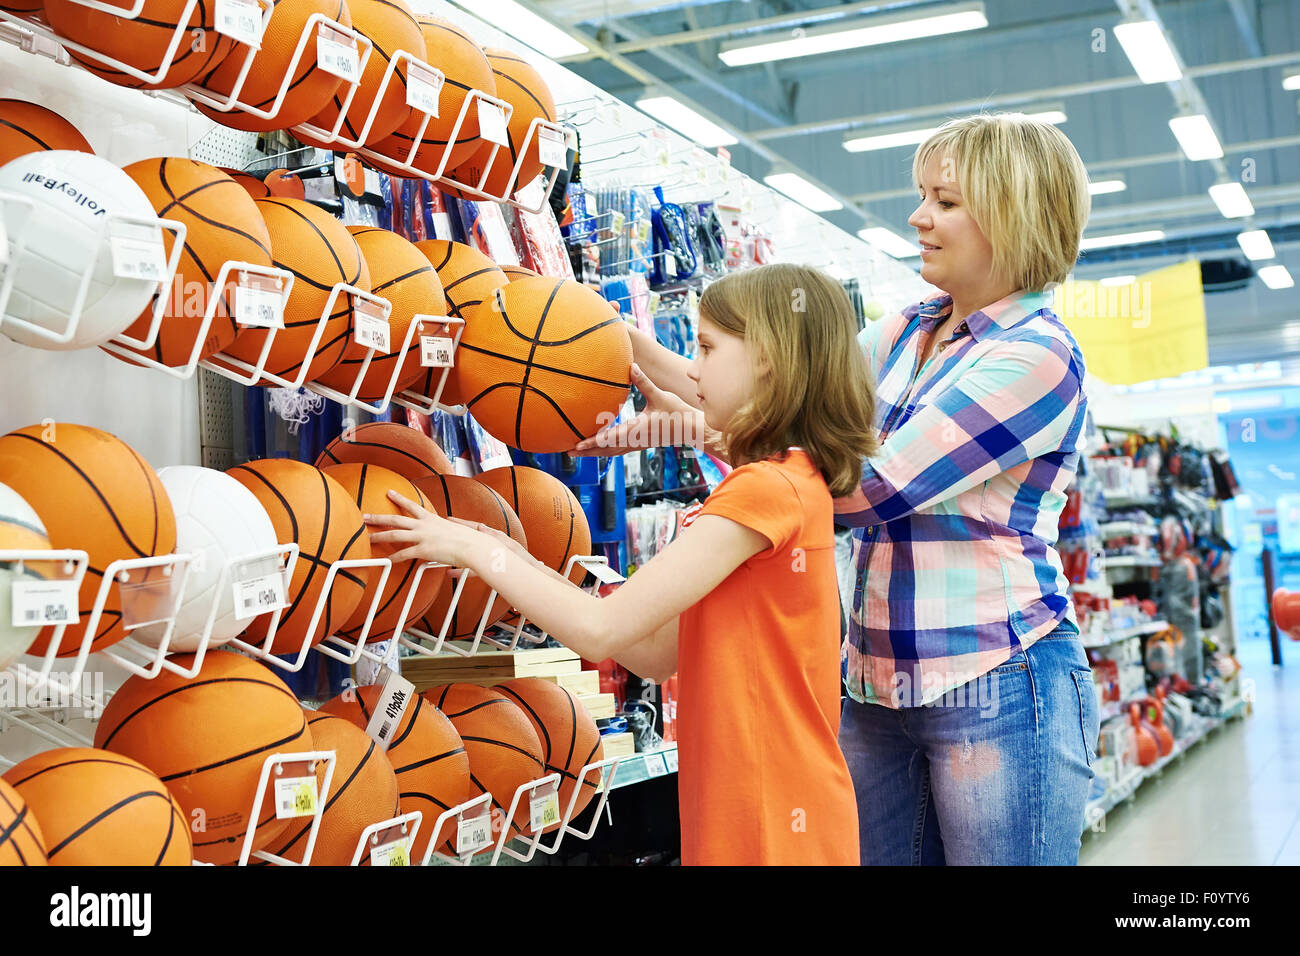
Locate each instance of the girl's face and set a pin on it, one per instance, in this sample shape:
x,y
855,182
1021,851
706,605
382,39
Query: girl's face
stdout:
x,y
956,256
723,373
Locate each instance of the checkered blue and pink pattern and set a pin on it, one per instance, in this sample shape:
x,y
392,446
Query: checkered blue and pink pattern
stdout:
x,y
956,519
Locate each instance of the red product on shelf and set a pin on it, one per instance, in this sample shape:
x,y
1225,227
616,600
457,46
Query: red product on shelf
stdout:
x,y
1148,746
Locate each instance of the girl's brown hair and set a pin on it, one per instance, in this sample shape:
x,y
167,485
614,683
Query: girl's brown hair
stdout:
x,y
814,390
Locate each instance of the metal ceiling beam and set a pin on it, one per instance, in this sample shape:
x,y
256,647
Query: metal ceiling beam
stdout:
x,y
1181,207
1246,26
922,112
595,11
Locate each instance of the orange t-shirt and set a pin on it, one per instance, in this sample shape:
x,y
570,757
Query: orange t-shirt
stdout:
x,y
761,778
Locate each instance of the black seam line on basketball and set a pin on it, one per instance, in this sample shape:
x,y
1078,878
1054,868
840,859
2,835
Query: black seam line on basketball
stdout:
x,y
321,349
569,341
150,477
442,697
75,761
28,133
86,478
397,592
428,760
418,795
293,527
206,220
402,278
467,277
375,444
573,728
532,351
543,368
537,719
410,724
479,706
335,795
107,812
7,833
237,757
508,746
399,74
540,105
171,830
454,311
594,748
324,533
445,259
323,238
529,388
190,686
27,828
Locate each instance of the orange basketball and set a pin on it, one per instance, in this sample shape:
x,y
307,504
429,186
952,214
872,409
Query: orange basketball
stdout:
x,y
408,451
504,752
142,43
468,279
320,252
21,840
514,273
551,516
98,808
254,186
22,6
363,791
310,508
29,128
455,497
222,223
310,89
403,276
96,494
453,51
544,365
285,184
523,88
426,753
570,738
369,486
390,26
207,737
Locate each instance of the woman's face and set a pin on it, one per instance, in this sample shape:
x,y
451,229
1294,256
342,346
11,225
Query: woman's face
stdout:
x,y
956,256
722,372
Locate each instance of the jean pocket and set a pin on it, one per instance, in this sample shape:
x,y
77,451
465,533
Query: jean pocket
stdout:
x,y
1089,726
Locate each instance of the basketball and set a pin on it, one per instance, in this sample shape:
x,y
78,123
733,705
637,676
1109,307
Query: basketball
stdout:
x,y
285,184
369,486
218,519
504,752
514,273
222,223
455,497
363,791
453,51
142,43
22,6
20,530
403,276
544,365
98,808
570,738
251,184
390,26
311,88
29,128
409,452
320,253
308,507
551,516
468,279
522,87
72,191
426,753
94,493
21,840
207,737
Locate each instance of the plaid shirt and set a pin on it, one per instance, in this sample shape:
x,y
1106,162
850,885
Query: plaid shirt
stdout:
x,y
956,519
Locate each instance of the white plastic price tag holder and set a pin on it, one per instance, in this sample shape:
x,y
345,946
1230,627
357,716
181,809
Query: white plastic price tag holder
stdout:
x,y
295,790
423,88
38,602
390,847
544,807
259,302
605,574
473,833
240,20
258,588
551,147
435,351
393,701
670,760
369,327
138,252
492,123
336,53
655,766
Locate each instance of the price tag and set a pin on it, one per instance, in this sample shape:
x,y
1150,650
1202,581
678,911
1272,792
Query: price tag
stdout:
x,y
423,87
670,760
44,602
240,19
551,147
259,302
492,123
393,701
259,595
544,808
654,765
473,833
138,253
435,351
369,327
336,53
604,573
295,797
396,853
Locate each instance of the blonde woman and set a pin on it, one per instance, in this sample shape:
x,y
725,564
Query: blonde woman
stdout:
x,y
743,605
971,723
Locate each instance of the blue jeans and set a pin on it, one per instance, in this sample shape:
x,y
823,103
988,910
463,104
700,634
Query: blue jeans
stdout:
x,y
999,774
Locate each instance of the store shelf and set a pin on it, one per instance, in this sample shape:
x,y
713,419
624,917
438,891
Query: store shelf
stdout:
x,y
645,766
1125,500
1132,561
1128,633
1111,529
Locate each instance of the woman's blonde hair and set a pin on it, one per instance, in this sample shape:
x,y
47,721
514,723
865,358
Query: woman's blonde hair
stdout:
x,y
815,391
1026,187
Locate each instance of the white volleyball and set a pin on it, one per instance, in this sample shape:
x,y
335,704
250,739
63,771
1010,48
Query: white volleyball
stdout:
x,y
217,519
74,194
20,530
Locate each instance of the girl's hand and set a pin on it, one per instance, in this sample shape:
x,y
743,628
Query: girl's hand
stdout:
x,y
423,535
665,421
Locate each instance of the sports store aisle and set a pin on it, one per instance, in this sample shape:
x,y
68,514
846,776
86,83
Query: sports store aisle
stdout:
x,y
286,286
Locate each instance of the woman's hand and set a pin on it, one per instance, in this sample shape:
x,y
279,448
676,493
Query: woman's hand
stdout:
x,y
665,421
424,536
